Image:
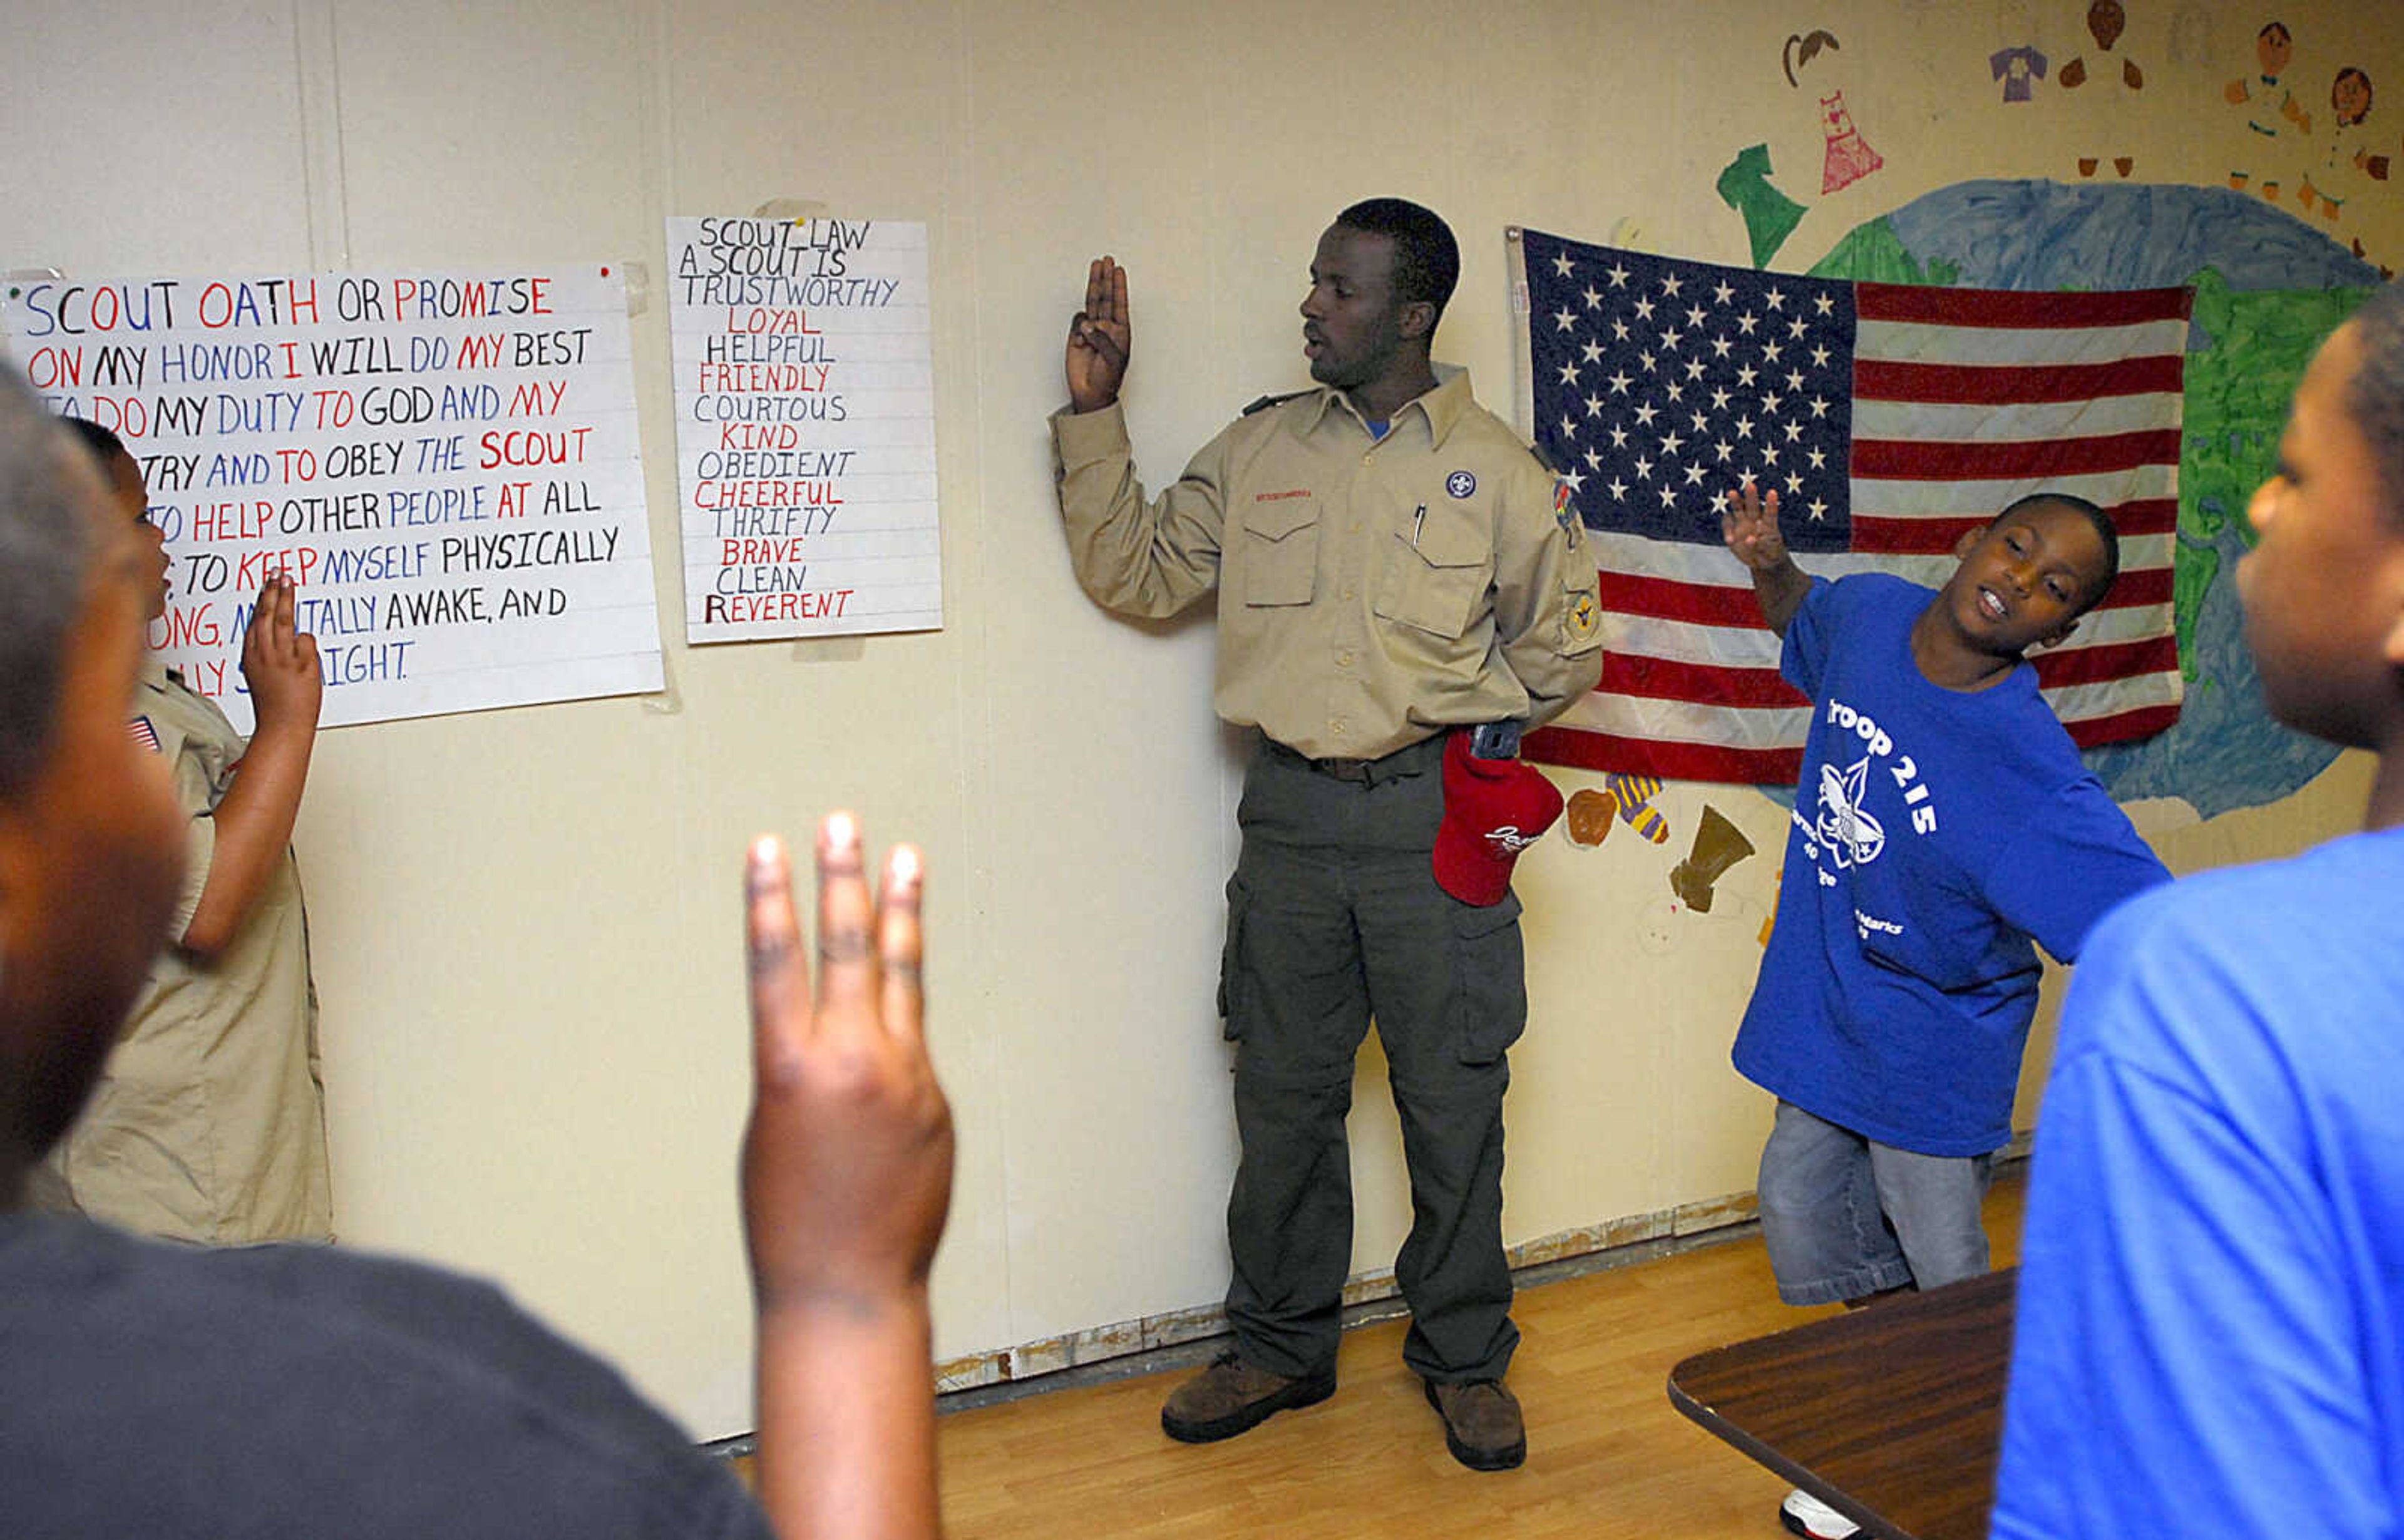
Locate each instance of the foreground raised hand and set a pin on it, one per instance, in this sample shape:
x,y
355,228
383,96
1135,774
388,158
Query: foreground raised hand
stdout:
x,y
847,1180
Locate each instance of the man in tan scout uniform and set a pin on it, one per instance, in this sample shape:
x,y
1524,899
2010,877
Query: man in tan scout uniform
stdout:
x,y
1393,564
209,1123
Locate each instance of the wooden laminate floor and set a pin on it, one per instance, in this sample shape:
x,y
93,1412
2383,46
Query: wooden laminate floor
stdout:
x,y
1607,1456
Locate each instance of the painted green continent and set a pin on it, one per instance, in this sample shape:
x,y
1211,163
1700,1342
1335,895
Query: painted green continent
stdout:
x,y
2257,345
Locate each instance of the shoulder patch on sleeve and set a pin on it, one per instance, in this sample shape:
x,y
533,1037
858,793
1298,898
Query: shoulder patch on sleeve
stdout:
x,y
1264,402
1581,621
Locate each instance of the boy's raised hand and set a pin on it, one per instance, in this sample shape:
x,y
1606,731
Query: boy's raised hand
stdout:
x,y
279,664
254,819
1101,336
1750,526
846,1178
848,1160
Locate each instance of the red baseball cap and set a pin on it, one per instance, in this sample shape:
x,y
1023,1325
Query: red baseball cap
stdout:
x,y
1494,809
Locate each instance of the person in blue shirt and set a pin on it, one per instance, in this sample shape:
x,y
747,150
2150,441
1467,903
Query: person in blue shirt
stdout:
x,y
1943,828
2211,1319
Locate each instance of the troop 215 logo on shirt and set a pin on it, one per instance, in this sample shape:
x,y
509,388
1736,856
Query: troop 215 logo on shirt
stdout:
x,y
1844,827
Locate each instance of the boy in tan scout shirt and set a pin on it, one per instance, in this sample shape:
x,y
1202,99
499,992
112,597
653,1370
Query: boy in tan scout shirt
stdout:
x,y
209,1123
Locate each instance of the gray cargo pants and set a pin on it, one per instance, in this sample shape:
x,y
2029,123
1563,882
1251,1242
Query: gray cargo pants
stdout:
x,y
1333,917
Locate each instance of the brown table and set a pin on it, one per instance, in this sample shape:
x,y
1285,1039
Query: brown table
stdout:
x,y
1891,1415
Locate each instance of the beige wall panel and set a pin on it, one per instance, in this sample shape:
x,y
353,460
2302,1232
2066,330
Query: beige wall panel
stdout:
x,y
100,104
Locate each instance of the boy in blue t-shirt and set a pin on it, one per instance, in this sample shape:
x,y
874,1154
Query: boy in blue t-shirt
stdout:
x,y
1943,822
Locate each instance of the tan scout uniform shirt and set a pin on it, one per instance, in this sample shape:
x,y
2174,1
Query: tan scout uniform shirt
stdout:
x,y
1370,592
209,1122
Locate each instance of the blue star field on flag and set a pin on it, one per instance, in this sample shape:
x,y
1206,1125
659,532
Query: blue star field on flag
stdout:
x,y
1660,386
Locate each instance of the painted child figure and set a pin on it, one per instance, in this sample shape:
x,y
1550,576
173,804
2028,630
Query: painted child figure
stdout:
x,y
1943,823
2270,108
2106,20
2348,164
2210,1320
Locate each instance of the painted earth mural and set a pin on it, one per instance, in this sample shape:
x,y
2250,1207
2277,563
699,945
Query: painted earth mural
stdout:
x,y
2268,290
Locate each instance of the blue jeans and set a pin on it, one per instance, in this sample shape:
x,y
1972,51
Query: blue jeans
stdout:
x,y
1846,1217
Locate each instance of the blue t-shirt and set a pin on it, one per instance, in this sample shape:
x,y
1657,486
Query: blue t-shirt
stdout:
x,y
1934,834
2211,1326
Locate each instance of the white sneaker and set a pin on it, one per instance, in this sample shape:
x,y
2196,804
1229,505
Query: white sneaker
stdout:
x,y
1807,1516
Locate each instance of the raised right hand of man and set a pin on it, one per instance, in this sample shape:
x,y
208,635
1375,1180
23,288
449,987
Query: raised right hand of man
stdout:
x,y
1100,337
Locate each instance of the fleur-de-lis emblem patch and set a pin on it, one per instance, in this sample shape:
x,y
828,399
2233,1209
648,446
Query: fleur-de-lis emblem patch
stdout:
x,y
1844,826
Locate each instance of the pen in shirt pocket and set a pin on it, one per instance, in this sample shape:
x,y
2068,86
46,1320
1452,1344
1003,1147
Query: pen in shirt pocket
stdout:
x,y
1418,522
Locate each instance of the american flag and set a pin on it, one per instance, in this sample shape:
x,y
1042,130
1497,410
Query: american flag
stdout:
x,y
1890,418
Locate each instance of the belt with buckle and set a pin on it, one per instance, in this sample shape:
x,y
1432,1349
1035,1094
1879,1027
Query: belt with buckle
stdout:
x,y
1406,760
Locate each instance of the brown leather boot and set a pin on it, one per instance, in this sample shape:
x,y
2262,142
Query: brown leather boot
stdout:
x,y
1482,1426
1231,1396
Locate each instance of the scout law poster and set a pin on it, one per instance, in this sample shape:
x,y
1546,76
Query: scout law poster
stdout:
x,y
446,464
805,428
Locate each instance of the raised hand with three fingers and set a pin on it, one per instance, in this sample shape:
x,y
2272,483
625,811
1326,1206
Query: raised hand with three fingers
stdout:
x,y
252,824
1750,526
1749,523
847,1180
279,662
1101,336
